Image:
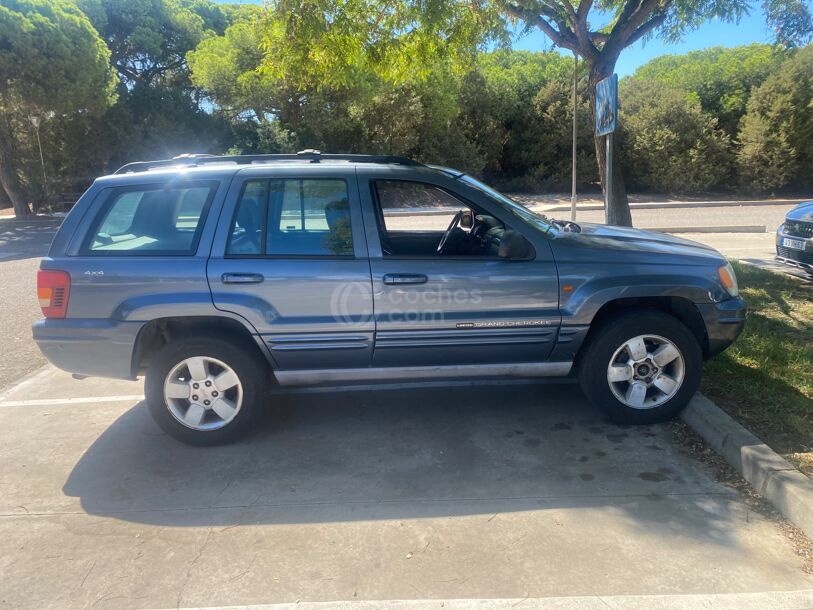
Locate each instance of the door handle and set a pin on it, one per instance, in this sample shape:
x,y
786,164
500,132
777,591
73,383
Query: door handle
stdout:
x,y
242,278
405,278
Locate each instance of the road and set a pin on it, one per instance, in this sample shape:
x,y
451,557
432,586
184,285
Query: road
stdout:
x,y
769,216
21,246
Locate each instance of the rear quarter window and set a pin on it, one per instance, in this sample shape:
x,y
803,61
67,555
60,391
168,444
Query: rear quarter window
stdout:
x,y
150,220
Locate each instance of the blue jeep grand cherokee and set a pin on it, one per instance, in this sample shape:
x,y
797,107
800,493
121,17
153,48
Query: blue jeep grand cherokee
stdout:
x,y
218,277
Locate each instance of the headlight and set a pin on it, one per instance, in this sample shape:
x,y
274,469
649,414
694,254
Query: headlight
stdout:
x,y
728,279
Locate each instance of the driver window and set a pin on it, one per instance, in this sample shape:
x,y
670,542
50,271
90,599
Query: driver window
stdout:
x,y
419,219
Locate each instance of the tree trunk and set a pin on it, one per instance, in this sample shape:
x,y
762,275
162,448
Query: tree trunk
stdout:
x,y
5,202
619,208
10,184
8,178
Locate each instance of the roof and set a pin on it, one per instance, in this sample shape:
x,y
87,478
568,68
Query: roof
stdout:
x,y
309,156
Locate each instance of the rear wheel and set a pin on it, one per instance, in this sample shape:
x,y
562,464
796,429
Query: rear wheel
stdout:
x,y
206,391
641,367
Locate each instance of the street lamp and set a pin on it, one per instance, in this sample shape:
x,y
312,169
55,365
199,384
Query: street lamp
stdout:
x,y
35,121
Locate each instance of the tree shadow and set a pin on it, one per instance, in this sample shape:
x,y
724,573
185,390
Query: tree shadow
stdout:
x,y
408,453
21,239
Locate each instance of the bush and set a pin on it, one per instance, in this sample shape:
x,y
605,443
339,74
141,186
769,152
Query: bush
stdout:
x,y
776,134
668,144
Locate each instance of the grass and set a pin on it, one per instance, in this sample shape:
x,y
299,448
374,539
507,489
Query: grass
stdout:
x,y
765,379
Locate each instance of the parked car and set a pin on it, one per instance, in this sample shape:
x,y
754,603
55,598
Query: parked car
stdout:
x,y
218,277
794,238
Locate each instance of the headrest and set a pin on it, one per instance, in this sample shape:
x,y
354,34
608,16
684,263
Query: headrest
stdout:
x,y
487,220
514,245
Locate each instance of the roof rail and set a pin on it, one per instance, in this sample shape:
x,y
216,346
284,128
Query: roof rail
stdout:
x,y
310,155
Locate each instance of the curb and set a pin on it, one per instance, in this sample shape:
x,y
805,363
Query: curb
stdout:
x,y
710,229
665,205
776,479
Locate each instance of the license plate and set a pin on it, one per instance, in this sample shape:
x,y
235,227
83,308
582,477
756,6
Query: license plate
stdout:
x,y
796,244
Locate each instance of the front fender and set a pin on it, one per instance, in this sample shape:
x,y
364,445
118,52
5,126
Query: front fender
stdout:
x,y
586,289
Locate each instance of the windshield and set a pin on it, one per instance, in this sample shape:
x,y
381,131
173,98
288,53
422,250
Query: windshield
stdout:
x,y
539,220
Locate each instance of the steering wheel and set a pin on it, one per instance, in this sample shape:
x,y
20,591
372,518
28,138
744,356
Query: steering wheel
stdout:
x,y
452,226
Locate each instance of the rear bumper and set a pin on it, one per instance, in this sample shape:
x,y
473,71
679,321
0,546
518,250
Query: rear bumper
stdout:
x,y
724,323
101,348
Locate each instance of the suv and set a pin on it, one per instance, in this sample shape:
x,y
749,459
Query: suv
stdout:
x,y
219,277
794,238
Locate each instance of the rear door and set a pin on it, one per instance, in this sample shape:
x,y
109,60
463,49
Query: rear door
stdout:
x,y
290,257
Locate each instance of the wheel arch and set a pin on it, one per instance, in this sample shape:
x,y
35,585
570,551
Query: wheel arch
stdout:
x,y
681,308
156,333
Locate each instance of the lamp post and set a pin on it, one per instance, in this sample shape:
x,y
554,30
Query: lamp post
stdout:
x,y
35,121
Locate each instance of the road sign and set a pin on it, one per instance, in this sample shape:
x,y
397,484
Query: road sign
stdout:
x,y
607,105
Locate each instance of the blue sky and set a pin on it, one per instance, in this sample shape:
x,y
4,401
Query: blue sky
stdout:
x,y
713,33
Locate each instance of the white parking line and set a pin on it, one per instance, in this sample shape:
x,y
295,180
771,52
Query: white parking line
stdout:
x,y
43,402
775,600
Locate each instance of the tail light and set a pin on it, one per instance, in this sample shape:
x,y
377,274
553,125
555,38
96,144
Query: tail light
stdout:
x,y
53,291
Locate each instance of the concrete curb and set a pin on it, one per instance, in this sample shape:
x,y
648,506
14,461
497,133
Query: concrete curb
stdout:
x,y
661,205
776,479
710,229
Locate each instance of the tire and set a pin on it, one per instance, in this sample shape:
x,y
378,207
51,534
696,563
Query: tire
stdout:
x,y
616,343
230,412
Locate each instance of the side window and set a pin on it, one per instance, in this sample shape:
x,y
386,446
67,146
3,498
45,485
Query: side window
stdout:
x,y
415,206
150,221
419,219
292,217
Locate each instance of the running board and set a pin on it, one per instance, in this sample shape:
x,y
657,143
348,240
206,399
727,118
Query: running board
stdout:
x,y
522,369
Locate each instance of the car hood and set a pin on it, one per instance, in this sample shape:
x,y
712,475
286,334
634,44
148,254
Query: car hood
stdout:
x,y
803,212
638,240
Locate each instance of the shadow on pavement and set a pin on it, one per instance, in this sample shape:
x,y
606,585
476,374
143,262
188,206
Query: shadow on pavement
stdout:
x,y
20,239
407,453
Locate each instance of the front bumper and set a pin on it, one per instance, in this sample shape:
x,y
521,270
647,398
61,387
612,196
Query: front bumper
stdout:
x,y
724,323
802,259
93,347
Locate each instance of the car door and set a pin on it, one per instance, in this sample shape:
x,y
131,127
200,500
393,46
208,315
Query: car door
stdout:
x,y
446,310
290,257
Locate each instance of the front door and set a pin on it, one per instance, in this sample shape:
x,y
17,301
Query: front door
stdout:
x,y
290,257
454,284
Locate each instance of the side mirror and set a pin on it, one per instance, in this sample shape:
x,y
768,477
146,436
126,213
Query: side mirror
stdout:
x,y
514,246
466,220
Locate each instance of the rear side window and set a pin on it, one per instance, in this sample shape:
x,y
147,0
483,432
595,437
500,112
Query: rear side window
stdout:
x,y
151,221
292,217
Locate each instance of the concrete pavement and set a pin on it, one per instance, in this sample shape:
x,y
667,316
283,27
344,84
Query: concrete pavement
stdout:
x,y
501,491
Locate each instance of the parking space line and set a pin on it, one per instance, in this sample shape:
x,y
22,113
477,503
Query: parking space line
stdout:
x,y
47,402
738,601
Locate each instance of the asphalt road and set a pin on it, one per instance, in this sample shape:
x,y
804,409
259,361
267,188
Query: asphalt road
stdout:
x,y
21,246
769,216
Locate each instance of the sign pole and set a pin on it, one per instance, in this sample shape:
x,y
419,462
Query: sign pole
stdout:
x,y
575,109
606,123
608,178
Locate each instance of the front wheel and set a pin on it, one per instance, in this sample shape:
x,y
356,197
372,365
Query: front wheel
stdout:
x,y
641,367
205,391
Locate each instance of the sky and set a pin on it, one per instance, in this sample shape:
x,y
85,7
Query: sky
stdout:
x,y
713,33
